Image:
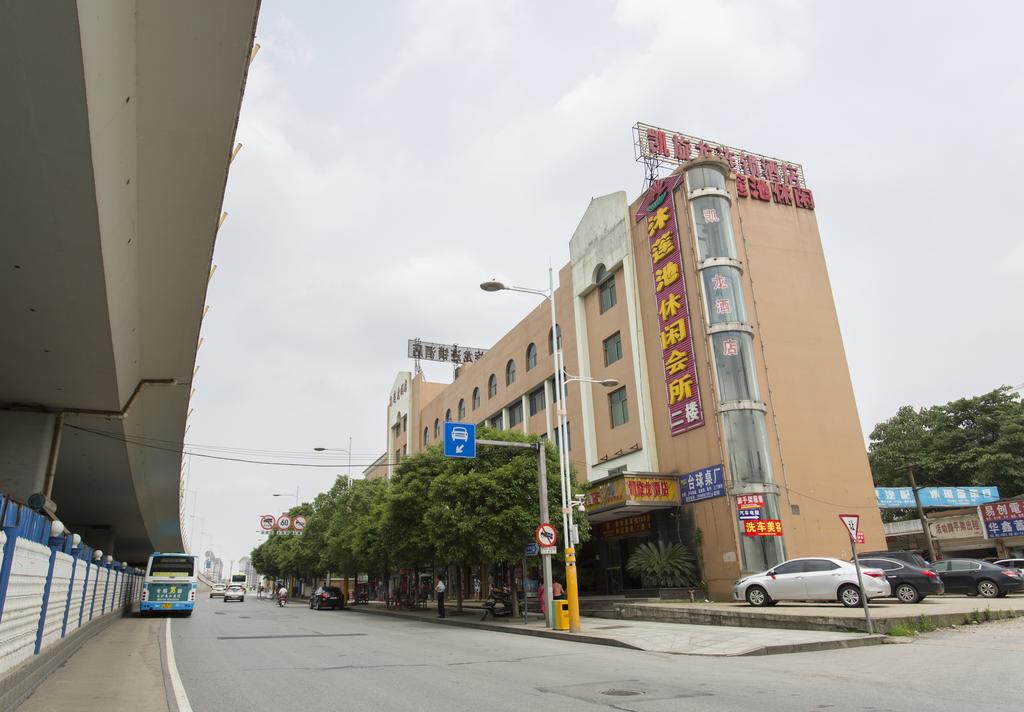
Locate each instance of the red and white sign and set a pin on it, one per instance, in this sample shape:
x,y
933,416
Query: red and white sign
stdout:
x,y
299,523
852,524
267,522
546,535
284,522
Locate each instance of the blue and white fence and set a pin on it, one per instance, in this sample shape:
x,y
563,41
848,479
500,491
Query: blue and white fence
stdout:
x,y
51,584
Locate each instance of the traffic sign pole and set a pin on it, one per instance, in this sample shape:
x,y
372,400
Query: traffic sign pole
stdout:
x,y
852,524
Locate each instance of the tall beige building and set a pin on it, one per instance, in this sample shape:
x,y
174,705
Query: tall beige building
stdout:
x,y
708,300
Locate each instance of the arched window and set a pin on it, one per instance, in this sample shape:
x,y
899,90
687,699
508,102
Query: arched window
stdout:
x,y
531,356
492,386
510,372
426,436
437,428
448,416
558,330
462,409
476,398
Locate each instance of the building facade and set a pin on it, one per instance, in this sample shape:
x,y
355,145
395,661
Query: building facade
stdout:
x,y
733,424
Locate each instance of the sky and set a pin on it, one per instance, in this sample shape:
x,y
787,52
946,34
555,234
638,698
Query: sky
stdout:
x,y
397,154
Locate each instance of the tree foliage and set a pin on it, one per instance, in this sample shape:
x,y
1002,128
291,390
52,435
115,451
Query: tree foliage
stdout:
x,y
433,510
967,442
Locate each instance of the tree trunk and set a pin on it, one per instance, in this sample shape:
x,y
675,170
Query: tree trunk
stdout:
x,y
459,592
515,591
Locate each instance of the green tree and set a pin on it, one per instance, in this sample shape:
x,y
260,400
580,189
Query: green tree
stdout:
x,y
663,564
975,441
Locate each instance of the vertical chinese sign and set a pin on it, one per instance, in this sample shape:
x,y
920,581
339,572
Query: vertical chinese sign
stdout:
x,y
675,333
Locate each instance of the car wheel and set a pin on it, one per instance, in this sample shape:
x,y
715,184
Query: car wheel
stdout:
x,y
987,589
906,593
757,596
849,596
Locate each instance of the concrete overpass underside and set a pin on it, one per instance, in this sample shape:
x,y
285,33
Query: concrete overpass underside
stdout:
x,y
116,134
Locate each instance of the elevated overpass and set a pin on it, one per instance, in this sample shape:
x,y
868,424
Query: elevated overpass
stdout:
x,y
115,141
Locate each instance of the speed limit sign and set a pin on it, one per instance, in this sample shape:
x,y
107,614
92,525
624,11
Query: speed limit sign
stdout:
x,y
267,522
299,523
284,522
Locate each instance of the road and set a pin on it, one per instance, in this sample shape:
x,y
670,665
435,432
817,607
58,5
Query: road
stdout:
x,y
254,655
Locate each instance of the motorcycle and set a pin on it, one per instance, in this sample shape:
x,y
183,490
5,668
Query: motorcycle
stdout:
x,y
498,604
281,600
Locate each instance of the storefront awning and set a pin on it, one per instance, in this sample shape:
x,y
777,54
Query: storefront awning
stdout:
x,y
630,493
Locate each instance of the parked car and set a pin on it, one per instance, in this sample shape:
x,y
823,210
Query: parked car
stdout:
x,y
811,580
218,589
327,597
977,578
909,557
234,592
1012,564
909,583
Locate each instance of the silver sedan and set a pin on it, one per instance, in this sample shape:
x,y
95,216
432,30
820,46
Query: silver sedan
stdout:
x,y
809,579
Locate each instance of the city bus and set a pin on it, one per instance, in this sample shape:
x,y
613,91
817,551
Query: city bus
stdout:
x,y
238,580
170,583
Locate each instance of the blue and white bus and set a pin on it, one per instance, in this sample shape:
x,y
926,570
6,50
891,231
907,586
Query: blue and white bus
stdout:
x,y
170,583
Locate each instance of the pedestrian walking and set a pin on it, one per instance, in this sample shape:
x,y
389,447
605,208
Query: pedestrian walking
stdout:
x,y
557,592
439,589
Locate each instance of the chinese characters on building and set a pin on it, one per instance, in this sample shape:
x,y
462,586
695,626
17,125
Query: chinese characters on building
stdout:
x,y
702,484
680,368
627,526
451,353
757,177
398,393
1003,520
903,497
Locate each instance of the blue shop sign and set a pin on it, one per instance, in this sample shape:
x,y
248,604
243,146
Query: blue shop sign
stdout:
x,y
702,484
903,497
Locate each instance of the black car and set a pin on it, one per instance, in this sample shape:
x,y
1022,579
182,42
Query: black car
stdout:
x,y
907,557
327,597
909,584
977,578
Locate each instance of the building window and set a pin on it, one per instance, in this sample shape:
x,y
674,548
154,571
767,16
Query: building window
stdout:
x,y
492,386
612,349
537,401
747,443
398,456
462,409
510,372
605,288
448,416
705,177
476,398
437,428
426,436
619,407
558,332
405,419
515,415
531,356
496,422
714,227
734,366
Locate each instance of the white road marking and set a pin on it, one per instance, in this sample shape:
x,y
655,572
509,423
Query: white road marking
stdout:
x,y
172,669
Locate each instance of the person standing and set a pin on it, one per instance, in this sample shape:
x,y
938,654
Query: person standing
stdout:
x,y
439,589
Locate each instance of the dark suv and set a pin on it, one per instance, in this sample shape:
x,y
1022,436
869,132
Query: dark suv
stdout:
x,y
907,557
326,597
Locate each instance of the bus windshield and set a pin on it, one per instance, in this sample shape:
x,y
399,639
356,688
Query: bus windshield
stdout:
x,y
172,566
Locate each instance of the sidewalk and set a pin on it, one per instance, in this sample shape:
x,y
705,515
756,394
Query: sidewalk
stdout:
x,y
119,668
674,638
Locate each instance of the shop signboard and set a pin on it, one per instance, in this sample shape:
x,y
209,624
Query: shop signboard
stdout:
x,y
702,484
675,331
632,490
965,527
762,527
749,507
903,497
1003,520
636,525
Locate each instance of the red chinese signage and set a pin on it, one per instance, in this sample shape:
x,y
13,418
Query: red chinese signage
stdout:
x,y
757,177
680,367
763,527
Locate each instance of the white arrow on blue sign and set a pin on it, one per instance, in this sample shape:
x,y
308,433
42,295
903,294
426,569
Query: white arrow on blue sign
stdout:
x,y
459,440
531,549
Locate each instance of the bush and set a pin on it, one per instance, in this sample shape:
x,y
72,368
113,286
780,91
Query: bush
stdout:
x,y
664,565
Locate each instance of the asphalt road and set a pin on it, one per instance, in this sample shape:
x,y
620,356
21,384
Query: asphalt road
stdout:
x,y
254,655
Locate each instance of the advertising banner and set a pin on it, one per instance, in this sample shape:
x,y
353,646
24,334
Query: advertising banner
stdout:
x,y
632,490
702,484
1003,520
903,497
763,527
627,526
749,507
965,527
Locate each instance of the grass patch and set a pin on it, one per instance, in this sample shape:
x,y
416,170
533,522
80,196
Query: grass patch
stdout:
x,y
901,630
924,625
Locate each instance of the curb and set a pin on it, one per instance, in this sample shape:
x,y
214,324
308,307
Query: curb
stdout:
x,y
480,625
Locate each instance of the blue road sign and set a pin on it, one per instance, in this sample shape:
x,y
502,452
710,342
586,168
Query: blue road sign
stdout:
x,y
459,440
531,549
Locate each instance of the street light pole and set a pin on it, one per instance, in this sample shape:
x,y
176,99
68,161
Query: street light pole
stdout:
x,y
348,471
